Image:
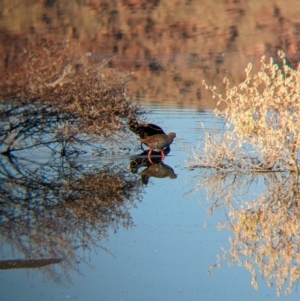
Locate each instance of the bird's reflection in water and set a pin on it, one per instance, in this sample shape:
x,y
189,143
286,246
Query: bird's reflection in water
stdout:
x,y
156,169
141,160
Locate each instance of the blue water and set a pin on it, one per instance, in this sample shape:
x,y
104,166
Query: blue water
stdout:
x,y
166,255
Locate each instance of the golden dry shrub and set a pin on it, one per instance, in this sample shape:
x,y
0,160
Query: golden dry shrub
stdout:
x,y
263,118
55,78
265,111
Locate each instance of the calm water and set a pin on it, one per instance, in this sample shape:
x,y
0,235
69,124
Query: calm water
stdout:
x,y
160,243
166,254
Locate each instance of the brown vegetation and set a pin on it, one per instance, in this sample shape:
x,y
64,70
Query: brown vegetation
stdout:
x,y
261,144
264,112
52,80
55,106
171,46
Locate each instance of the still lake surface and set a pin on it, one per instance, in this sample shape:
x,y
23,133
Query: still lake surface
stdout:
x,y
165,239
168,251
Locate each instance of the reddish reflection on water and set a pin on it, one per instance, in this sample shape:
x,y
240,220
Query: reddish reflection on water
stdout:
x,y
171,47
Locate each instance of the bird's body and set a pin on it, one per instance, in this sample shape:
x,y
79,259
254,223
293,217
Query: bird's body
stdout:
x,y
159,142
144,130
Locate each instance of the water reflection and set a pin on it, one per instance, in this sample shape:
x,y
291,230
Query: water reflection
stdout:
x,y
51,210
27,264
53,202
141,160
265,225
171,47
162,48
156,168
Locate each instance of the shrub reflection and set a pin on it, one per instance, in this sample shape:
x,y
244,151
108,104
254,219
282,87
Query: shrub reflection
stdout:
x,y
265,225
52,210
54,203
263,213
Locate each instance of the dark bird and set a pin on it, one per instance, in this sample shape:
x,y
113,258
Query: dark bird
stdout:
x,y
159,142
144,130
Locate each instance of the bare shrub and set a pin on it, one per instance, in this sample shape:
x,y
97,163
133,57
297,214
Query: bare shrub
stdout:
x,y
250,170
265,112
53,77
54,106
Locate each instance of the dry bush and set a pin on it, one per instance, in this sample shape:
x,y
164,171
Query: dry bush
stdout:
x,y
51,76
265,113
262,135
54,105
220,151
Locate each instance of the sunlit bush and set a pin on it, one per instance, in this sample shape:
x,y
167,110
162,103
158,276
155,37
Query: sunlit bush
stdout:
x,y
262,209
265,112
54,79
